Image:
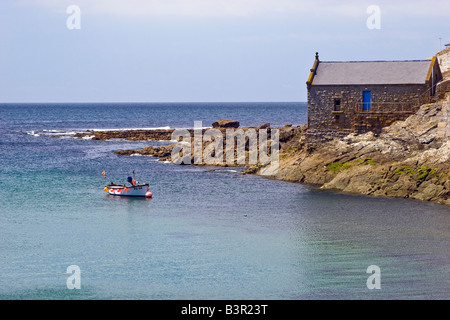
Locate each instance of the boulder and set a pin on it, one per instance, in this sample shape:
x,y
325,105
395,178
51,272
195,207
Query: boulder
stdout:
x,y
263,126
225,123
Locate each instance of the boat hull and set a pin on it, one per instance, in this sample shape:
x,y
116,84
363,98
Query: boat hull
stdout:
x,y
141,190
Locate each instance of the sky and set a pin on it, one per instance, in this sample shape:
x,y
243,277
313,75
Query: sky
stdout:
x,y
200,50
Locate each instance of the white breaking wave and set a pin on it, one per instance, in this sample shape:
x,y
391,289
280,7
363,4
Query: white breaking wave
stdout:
x,y
32,133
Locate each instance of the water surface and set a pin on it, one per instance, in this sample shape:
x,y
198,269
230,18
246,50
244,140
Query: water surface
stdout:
x,y
208,233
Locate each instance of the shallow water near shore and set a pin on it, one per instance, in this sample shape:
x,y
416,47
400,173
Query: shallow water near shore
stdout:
x,y
207,233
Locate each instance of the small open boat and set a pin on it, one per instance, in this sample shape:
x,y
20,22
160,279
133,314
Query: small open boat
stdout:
x,y
138,190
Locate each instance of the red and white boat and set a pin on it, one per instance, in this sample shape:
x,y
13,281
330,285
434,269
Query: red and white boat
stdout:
x,y
138,190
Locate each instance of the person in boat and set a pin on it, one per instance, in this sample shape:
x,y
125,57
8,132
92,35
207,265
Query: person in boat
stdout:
x,y
132,181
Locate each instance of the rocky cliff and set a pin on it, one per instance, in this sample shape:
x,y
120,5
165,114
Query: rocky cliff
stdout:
x,y
410,159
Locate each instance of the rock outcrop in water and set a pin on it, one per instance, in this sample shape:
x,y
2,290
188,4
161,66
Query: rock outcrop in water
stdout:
x,y
134,135
164,153
225,123
161,152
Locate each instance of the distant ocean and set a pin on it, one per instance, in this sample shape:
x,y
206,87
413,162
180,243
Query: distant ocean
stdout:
x,y
207,233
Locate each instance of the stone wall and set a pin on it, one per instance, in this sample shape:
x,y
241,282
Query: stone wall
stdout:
x,y
389,104
442,88
447,119
444,62
444,124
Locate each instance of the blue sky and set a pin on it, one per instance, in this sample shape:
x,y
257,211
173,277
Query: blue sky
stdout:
x,y
199,50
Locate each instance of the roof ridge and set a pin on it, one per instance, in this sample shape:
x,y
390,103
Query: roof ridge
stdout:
x,y
355,61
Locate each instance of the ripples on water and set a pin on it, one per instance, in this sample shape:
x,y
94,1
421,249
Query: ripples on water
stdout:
x,y
208,233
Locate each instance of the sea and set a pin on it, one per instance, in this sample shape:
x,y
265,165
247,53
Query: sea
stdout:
x,y
207,232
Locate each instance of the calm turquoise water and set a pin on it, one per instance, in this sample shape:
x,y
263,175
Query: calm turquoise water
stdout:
x,y
208,233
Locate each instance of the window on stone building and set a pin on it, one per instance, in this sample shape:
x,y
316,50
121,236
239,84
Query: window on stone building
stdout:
x,y
337,104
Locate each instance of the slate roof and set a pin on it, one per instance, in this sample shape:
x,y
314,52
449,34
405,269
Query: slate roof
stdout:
x,y
371,72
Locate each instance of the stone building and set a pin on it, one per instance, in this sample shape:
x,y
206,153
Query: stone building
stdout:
x,y
443,57
361,96
443,91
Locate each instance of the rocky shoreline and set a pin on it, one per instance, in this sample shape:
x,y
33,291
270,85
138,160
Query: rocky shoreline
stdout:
x,y
409,159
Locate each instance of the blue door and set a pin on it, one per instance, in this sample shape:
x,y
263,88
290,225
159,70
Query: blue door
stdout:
x,y
366,100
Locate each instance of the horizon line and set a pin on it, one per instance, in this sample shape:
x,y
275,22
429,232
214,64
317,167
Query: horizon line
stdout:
x,y
143,102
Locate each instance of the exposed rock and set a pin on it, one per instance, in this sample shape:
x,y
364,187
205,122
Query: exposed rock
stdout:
x,y
263,126
133,135
225,123
241,152
408,160
161,152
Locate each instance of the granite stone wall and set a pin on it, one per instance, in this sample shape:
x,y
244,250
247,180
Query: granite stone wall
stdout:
x,y
442,88
444,62
444,124
337,110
